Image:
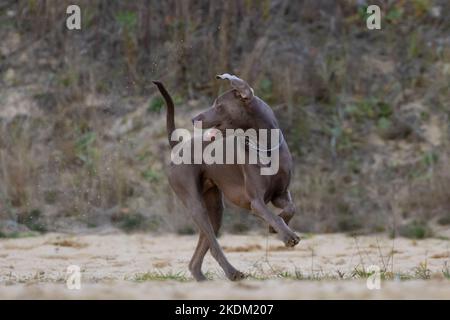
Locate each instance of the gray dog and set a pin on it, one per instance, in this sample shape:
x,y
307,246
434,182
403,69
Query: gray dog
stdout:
x,y
201,187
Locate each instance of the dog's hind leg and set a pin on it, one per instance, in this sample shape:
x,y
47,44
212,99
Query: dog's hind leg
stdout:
x,y
214,205
284,201
195,265
187,186
200,216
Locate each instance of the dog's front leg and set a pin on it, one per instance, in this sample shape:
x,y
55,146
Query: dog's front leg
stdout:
x,y
284,202
288,236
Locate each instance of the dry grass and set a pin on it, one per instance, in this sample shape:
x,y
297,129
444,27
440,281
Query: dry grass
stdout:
x,y
82,138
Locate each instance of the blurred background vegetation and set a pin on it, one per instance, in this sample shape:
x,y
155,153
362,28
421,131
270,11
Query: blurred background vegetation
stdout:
x,y
365,112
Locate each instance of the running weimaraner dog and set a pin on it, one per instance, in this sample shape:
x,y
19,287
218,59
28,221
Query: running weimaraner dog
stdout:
x,y
201,187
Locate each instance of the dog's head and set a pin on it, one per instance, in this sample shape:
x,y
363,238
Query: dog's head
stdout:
x,y
232,110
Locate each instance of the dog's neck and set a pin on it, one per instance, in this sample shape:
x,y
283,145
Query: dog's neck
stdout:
x,y
264,117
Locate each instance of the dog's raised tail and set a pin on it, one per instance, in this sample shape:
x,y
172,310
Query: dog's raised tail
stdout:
x,y
170,121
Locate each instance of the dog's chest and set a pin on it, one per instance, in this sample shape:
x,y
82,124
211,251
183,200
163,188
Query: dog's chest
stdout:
x,y
278,183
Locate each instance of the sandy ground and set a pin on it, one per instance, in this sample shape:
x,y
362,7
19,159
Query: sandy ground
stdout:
x,y
36,267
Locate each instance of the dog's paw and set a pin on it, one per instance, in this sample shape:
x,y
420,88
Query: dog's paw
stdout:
x,y
291,240
200,278
237,275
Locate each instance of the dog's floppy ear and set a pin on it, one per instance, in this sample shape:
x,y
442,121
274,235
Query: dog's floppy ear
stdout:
x,y
244,90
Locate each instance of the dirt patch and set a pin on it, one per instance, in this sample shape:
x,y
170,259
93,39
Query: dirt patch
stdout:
x,y
68,243
253,247
321,266
444,255
161,264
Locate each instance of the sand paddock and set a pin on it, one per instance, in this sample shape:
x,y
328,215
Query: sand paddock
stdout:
x,y
145,266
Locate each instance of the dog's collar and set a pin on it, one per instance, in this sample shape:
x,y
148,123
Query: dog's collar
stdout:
x,y
253,146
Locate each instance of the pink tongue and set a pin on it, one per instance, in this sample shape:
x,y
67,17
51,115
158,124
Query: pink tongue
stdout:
x,y
211,133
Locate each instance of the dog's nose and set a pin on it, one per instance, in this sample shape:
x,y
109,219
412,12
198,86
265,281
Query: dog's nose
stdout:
x,y
197,118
